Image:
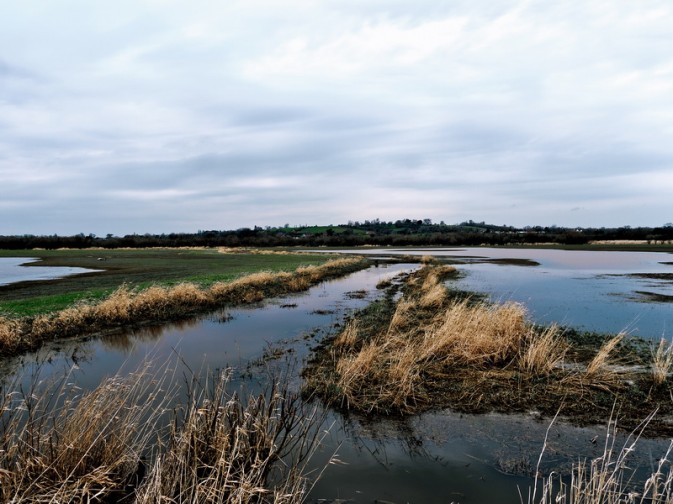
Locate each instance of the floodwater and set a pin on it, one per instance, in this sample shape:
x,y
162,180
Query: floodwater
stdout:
x,y
12,270
433,458
588,290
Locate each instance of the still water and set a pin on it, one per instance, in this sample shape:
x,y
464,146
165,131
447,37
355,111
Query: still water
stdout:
x,y
12,270
590,290
433,458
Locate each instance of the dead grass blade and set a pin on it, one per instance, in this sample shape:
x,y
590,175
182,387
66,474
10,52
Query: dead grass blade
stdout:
x,y
544,352
662,361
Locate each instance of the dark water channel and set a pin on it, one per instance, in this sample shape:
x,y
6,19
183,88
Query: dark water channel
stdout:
x,y
433,458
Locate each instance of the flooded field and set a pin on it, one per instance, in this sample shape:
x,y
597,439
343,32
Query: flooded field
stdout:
x,y
590,290
432,458
12,270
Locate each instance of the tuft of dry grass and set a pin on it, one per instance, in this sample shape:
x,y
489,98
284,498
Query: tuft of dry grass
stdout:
x,y
349,336
599,364
476,333
9,329
229,450
599,372
544,352
434,296
662,362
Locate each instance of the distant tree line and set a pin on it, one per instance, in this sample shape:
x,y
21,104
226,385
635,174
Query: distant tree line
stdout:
x,y
374,232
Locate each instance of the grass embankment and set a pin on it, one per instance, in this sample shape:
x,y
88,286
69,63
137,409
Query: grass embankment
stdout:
x,y
432,349
132,306
113,444
139,268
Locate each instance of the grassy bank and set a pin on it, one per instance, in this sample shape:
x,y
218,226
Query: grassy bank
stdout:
x,y
136,268
432,348
113,444
129,306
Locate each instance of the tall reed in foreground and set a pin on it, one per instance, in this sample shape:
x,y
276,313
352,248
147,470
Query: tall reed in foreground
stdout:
x,y
61,445
117,443
229,450
608,479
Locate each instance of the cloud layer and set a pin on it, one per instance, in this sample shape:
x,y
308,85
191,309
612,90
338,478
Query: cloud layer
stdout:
x,y
160,115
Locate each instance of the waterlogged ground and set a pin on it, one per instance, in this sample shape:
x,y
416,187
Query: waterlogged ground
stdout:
x,y
434,458
13,271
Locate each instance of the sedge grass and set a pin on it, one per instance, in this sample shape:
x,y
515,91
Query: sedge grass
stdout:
x,y
545,352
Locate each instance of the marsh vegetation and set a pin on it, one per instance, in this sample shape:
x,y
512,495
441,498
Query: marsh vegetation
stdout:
x,y
432,348
127,441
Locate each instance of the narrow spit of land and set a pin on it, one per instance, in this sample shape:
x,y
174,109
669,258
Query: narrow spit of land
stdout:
x,y
148,286
432,348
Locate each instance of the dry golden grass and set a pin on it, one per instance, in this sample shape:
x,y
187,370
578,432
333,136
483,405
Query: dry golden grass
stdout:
x,y
403,317
599,364
228,451
391,362
545,352
63,446
476,333
435,296
9,329
349,336
114,444
662,361
428,259
599,372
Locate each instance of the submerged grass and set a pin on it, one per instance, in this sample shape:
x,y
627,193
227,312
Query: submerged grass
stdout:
x,y
433,348
127,306
114,444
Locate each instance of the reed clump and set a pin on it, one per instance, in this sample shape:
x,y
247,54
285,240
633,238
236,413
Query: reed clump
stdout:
x,y
128,306
662,362
62,445
608,478
432,348
117,444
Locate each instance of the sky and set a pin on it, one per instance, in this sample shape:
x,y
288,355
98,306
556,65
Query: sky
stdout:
x,y
158,116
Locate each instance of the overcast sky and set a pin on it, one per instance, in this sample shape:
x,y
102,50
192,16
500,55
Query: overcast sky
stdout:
x,y
158,115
